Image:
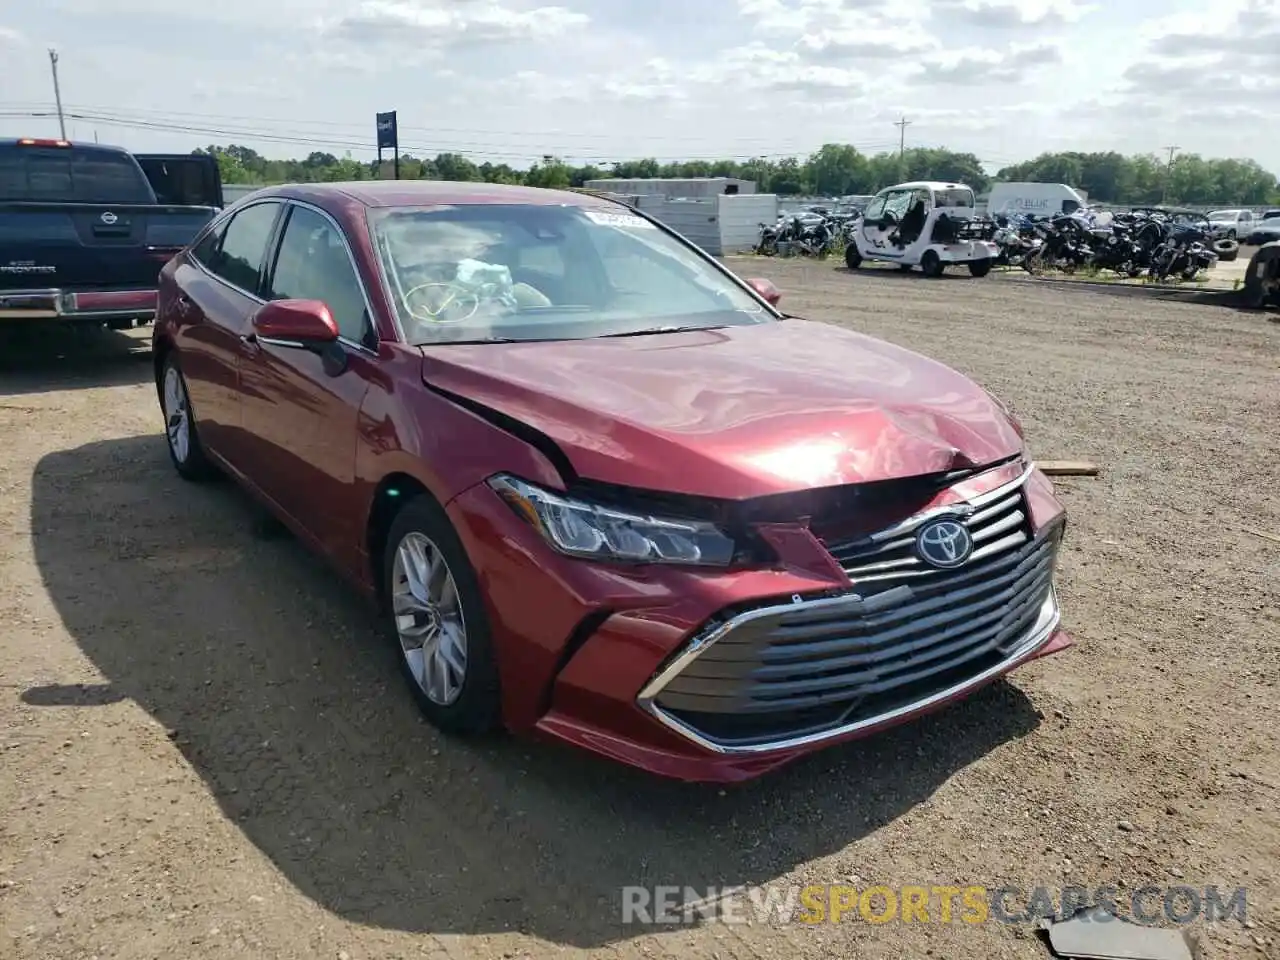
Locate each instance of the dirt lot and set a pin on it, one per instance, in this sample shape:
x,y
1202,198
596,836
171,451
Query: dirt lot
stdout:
x,y
205,751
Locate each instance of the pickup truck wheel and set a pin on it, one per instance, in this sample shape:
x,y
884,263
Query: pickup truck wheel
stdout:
x,y
185,450
439,622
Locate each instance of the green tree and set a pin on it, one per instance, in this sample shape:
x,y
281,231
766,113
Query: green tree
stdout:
x,y
835,169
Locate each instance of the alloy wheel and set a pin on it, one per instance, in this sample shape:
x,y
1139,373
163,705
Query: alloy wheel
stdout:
x,y
177,414
428,619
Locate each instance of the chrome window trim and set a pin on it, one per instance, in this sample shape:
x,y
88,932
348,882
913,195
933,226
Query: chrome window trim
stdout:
x,y
1036,637
286,201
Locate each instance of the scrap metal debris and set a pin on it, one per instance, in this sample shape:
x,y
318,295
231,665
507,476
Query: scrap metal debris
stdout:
x,y
1068,468
1096,934
1274,538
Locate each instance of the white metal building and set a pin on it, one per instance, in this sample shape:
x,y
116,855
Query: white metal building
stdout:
x,y
697,187
718,224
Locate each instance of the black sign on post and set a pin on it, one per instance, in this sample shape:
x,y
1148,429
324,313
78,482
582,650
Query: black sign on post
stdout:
x,y
388,138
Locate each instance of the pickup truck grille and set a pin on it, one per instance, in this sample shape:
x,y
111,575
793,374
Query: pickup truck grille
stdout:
x,y
909,633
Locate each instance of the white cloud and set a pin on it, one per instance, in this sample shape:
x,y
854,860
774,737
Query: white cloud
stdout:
x,y
442,24
1007,14
511,80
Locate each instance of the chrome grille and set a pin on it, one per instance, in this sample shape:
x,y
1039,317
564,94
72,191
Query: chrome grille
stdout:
x,y
996,525
908,633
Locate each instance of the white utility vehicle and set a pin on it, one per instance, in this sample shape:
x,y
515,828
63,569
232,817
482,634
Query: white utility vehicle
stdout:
x,y
926,224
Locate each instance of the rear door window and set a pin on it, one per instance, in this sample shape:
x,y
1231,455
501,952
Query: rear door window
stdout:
x,y
206,251
240,258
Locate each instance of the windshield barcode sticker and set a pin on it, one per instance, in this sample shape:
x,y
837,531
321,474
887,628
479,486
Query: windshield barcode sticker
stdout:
x,y
629,220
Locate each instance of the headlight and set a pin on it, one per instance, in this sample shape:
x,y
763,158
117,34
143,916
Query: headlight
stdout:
x,y
582,529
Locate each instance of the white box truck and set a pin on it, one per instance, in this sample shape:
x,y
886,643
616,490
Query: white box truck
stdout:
x,y
1034,199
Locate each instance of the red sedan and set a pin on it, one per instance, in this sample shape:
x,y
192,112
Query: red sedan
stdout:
x,y
600,487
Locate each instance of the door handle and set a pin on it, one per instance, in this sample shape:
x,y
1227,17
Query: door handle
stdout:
x,y
182,302
250,339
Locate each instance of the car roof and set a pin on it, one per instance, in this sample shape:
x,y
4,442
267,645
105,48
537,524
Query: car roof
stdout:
x,y
928,185
70,144
426,193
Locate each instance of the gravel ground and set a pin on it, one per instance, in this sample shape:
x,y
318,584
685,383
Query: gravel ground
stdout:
x,y
204,751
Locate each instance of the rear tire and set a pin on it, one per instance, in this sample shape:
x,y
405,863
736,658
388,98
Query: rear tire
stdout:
x,y
437,619
980,268
181,436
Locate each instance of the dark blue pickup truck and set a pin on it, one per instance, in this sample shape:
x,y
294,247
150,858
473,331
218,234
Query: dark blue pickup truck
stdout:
x,y
85,229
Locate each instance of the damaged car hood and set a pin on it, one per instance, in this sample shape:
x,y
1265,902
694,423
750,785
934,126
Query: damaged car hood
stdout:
x,y
735,412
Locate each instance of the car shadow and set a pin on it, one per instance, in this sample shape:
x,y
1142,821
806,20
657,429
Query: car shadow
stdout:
x,y
35,358
271,678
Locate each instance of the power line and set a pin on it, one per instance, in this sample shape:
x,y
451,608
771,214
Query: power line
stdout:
x,y
357,142
357,131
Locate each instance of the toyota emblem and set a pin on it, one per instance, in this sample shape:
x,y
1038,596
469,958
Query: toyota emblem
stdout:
x,y
944,543
109,218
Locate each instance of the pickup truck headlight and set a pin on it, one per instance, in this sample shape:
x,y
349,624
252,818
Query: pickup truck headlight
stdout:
x,y
591,531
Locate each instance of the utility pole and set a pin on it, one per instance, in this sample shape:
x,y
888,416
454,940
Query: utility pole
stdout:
x,y
57,91
1168,173
902,134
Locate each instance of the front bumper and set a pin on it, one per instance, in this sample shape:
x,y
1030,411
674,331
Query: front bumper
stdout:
x,y
614,659
95,305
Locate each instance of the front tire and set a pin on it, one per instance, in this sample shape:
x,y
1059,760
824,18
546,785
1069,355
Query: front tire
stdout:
x,y
852,258
931,264
183,440
439,622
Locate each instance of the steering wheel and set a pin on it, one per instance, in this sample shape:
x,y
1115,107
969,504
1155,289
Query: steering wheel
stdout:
x,y
440,302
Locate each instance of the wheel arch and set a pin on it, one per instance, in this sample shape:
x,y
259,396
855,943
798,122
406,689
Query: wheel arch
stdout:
x,y
161,348
390,495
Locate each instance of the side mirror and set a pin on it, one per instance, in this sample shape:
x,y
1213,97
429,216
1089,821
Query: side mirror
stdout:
x,y
306,324
766,289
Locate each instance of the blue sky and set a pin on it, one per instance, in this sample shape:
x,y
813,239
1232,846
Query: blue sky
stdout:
x,y
600,80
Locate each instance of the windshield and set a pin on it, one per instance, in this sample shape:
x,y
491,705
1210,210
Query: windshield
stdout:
x,y
541,272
